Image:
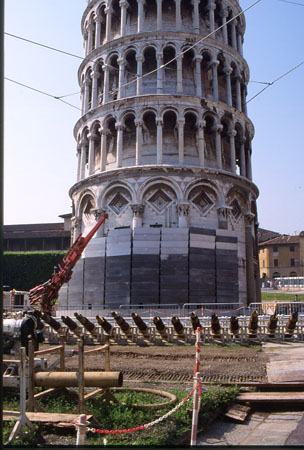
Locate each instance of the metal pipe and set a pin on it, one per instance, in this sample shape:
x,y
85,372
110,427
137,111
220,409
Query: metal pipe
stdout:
x,y
105,324
160,326
50,321
291,324
71,325
272,324
88,325
215,325
234,325
253,324
70,379
178,326
125,327
195,321
143,328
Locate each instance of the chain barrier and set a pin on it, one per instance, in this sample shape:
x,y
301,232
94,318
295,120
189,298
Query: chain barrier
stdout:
x,y
155,422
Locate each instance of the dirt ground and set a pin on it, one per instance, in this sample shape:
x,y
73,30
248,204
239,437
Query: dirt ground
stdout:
x,y
174,364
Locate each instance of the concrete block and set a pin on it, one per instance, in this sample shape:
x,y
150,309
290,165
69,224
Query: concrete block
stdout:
x,y
174,244
146,251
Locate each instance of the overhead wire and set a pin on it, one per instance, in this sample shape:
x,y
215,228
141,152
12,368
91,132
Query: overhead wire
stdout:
x,y
292,3
42,92
277,79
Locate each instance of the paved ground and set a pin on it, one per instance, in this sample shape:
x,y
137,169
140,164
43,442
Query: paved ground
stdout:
x,y
279,426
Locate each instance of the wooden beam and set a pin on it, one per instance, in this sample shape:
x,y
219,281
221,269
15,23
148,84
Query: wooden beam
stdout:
x,y
271,397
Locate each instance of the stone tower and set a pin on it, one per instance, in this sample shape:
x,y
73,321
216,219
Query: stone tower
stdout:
x,y
164,147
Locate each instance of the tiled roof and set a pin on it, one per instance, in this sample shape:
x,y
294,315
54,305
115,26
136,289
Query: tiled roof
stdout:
x,y
37,230
266,235
281,240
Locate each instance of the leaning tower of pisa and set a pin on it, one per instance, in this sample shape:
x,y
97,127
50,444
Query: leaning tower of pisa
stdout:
x,y
164,147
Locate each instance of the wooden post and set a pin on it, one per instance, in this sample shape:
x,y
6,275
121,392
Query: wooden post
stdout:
x,y
107,354
31,386
22,419
81,375
62,352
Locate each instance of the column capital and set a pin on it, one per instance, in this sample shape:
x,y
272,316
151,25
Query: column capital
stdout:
x,y
228,70
202,123
224,12
92,136
108,10
120,61
211,4
98,212
232,133
139,58
76,222
159,55
215,62
90,26
181,122
242,140
141,1
249,217
219,128
95,74
137,209
198,58
183,208
105,68
138,123
159,121
223,211
123,3
119,126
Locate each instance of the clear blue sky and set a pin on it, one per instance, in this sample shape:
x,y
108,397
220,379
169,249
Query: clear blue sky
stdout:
x,y
40,151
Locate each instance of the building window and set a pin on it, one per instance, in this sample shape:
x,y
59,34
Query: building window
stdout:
x,y
292,262
291,248
263,263
275,248
276,262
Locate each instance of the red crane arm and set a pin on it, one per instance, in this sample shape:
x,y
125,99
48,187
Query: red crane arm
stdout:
x,y
47,293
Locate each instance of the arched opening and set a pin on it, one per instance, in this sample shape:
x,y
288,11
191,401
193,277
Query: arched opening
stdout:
x,y
132,14
116,202
149,132
129,140
88,89
111,144
115,22
210,142
170,78
102,18
225,145
247,147
203,199
86,211
85,149
130,73
187,15
92,30
221,77
113,77
206,74
190,139
149,64
234,77
150,10
203,16
238,149
293,274
169,15
218,20
170,138
100,82
229,27
243,92
189,73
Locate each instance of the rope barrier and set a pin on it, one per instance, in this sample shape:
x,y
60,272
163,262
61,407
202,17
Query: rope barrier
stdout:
x,y
151,424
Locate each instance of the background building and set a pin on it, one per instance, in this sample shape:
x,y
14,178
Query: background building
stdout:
x,y
164,147
282,256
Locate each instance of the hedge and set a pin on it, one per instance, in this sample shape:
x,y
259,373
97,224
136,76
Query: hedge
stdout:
x,y
25,270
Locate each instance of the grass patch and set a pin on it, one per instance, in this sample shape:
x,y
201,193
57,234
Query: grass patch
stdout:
x,y
118,416
280,297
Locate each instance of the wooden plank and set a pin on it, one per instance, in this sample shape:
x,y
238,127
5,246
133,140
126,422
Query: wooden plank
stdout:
x,y
285,371
48,350
238,412
43,417
271,397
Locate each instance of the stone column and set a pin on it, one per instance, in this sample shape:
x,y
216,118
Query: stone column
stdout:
x,y
198,76
228,71
214,65
119,129
108,13
211,8
224,15
239,41
86,95
178,16
85,36
196,17
98,31
120,93
243,162
91,163
179,65
159,15
82,99
232,135
103,150
183,214
159,77
201,142
90,37
249,167
78,154
123,17
159,140
233,35
138,212
218,147
181,155
238,93
244,104
95,76
139,60
82,159
140,20
76,227
106,84
139,139
251,292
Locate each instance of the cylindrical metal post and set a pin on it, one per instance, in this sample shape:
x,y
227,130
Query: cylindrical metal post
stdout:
x,y
195,411
31,406
80,375
81,427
